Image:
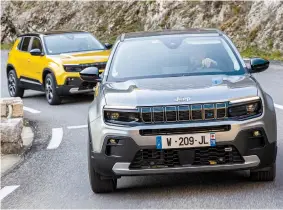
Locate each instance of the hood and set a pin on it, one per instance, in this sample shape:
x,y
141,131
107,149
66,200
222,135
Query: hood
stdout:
x,y
83,57
165,91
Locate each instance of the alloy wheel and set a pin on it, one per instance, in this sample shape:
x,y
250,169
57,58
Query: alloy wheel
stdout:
x,y
12,84
49,89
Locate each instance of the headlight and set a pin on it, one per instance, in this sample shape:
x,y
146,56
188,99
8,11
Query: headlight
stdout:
x,y
73,68
246,110
126,117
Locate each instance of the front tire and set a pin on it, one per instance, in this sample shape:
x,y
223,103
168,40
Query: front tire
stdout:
x,y
99,185
268,174
13,85
50,90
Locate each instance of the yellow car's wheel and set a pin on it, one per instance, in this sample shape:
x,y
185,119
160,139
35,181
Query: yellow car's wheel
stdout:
x,y
13,85
50,90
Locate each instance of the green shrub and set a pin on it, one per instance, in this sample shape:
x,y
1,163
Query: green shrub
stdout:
x,y
250,52
6,46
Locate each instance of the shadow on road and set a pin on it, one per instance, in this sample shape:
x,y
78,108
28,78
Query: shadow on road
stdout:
x,y
72,99
224,182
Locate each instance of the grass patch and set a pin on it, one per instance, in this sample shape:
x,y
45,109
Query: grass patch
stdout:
x,y
269,55
6,46
253,34
236,9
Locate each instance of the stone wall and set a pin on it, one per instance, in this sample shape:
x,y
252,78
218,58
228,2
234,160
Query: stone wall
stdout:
x,y
249,23
11,125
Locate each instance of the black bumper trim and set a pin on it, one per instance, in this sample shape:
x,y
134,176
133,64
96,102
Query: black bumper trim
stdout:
x,y
74,85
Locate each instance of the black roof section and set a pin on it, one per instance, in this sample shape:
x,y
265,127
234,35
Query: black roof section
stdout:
x,y
50,33
170,32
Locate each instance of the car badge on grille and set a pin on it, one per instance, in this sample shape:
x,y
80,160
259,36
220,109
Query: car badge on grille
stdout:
x,y
182,99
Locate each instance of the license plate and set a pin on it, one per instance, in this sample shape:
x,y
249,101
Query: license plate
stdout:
x,y
186,141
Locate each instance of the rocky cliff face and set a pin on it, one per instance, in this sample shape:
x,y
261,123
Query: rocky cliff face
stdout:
x,y
258,24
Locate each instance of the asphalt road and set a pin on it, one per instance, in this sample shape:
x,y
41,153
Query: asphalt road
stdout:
x,y
58,178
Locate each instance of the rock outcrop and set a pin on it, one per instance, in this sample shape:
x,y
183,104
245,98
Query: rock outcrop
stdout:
x,y
258,24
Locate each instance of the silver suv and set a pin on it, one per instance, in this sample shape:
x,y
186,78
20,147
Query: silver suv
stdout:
x,y
178,101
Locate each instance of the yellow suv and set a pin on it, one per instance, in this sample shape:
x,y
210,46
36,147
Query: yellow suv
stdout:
x,y
51,62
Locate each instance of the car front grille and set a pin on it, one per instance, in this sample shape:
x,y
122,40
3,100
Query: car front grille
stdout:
x,y
153,158
99,65
194,112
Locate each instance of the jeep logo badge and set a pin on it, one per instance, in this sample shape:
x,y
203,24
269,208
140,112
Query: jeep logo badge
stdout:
x,y
182,99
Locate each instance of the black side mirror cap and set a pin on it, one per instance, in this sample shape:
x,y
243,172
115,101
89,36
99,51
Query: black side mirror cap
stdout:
x,y
258,65
90,74
36,52
108,46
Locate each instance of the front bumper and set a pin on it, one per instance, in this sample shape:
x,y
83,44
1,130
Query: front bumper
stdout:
x,y
256,154
74,85
123,168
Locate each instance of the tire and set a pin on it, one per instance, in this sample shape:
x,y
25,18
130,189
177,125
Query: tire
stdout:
x,y
13,85
50,90
97,184
265,175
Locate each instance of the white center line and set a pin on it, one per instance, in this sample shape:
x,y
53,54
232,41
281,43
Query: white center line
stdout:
x,y
31,110
7,190
278,106
57,136
77,126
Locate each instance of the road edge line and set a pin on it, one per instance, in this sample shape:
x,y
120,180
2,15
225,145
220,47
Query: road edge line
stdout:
x,y
33,111
5,191
278,106
57,136
77,126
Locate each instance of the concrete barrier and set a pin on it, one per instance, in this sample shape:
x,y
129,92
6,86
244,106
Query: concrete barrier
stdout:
x,y
11,125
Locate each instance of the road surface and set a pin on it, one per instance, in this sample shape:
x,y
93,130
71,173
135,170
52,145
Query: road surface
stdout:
x,y
54,173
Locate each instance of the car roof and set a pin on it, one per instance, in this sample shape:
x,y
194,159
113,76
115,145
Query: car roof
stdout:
x,y
203,31
51,33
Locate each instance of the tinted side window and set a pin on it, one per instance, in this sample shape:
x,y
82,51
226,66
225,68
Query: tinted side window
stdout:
x,y
25,43
36,44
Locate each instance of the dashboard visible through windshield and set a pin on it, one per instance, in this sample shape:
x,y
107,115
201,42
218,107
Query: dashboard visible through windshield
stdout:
x,y
71,42
167,56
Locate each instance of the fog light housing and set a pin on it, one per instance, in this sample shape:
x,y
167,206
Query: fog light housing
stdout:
x,y
113,141
256,133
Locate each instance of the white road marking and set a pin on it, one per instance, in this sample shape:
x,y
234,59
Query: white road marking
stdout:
x,y
7,190
31,110
57,136
278,106
77,126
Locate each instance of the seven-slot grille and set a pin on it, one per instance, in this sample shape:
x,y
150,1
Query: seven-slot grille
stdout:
x,y
99,65
194,112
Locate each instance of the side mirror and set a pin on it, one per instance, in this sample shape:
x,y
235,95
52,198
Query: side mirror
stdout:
x,y
36,52
90,74
258,65
108,46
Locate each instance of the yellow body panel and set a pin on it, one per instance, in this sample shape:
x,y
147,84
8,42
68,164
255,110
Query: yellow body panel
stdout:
x,y
32,67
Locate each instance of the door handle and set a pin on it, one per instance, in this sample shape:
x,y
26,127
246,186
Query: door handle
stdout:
x,y
28,60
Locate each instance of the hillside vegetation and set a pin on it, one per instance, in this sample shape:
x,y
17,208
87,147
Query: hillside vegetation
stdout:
x,y
255,27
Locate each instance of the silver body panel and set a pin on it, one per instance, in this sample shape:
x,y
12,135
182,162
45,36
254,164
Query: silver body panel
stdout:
x,y
163,92
123,168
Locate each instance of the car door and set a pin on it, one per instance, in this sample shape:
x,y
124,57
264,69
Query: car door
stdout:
x,y
36,63
22,58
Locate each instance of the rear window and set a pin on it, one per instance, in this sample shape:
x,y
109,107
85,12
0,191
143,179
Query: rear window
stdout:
x,y
25,43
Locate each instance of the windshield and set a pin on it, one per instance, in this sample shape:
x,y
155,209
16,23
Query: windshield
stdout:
x,y
178,55
71,42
